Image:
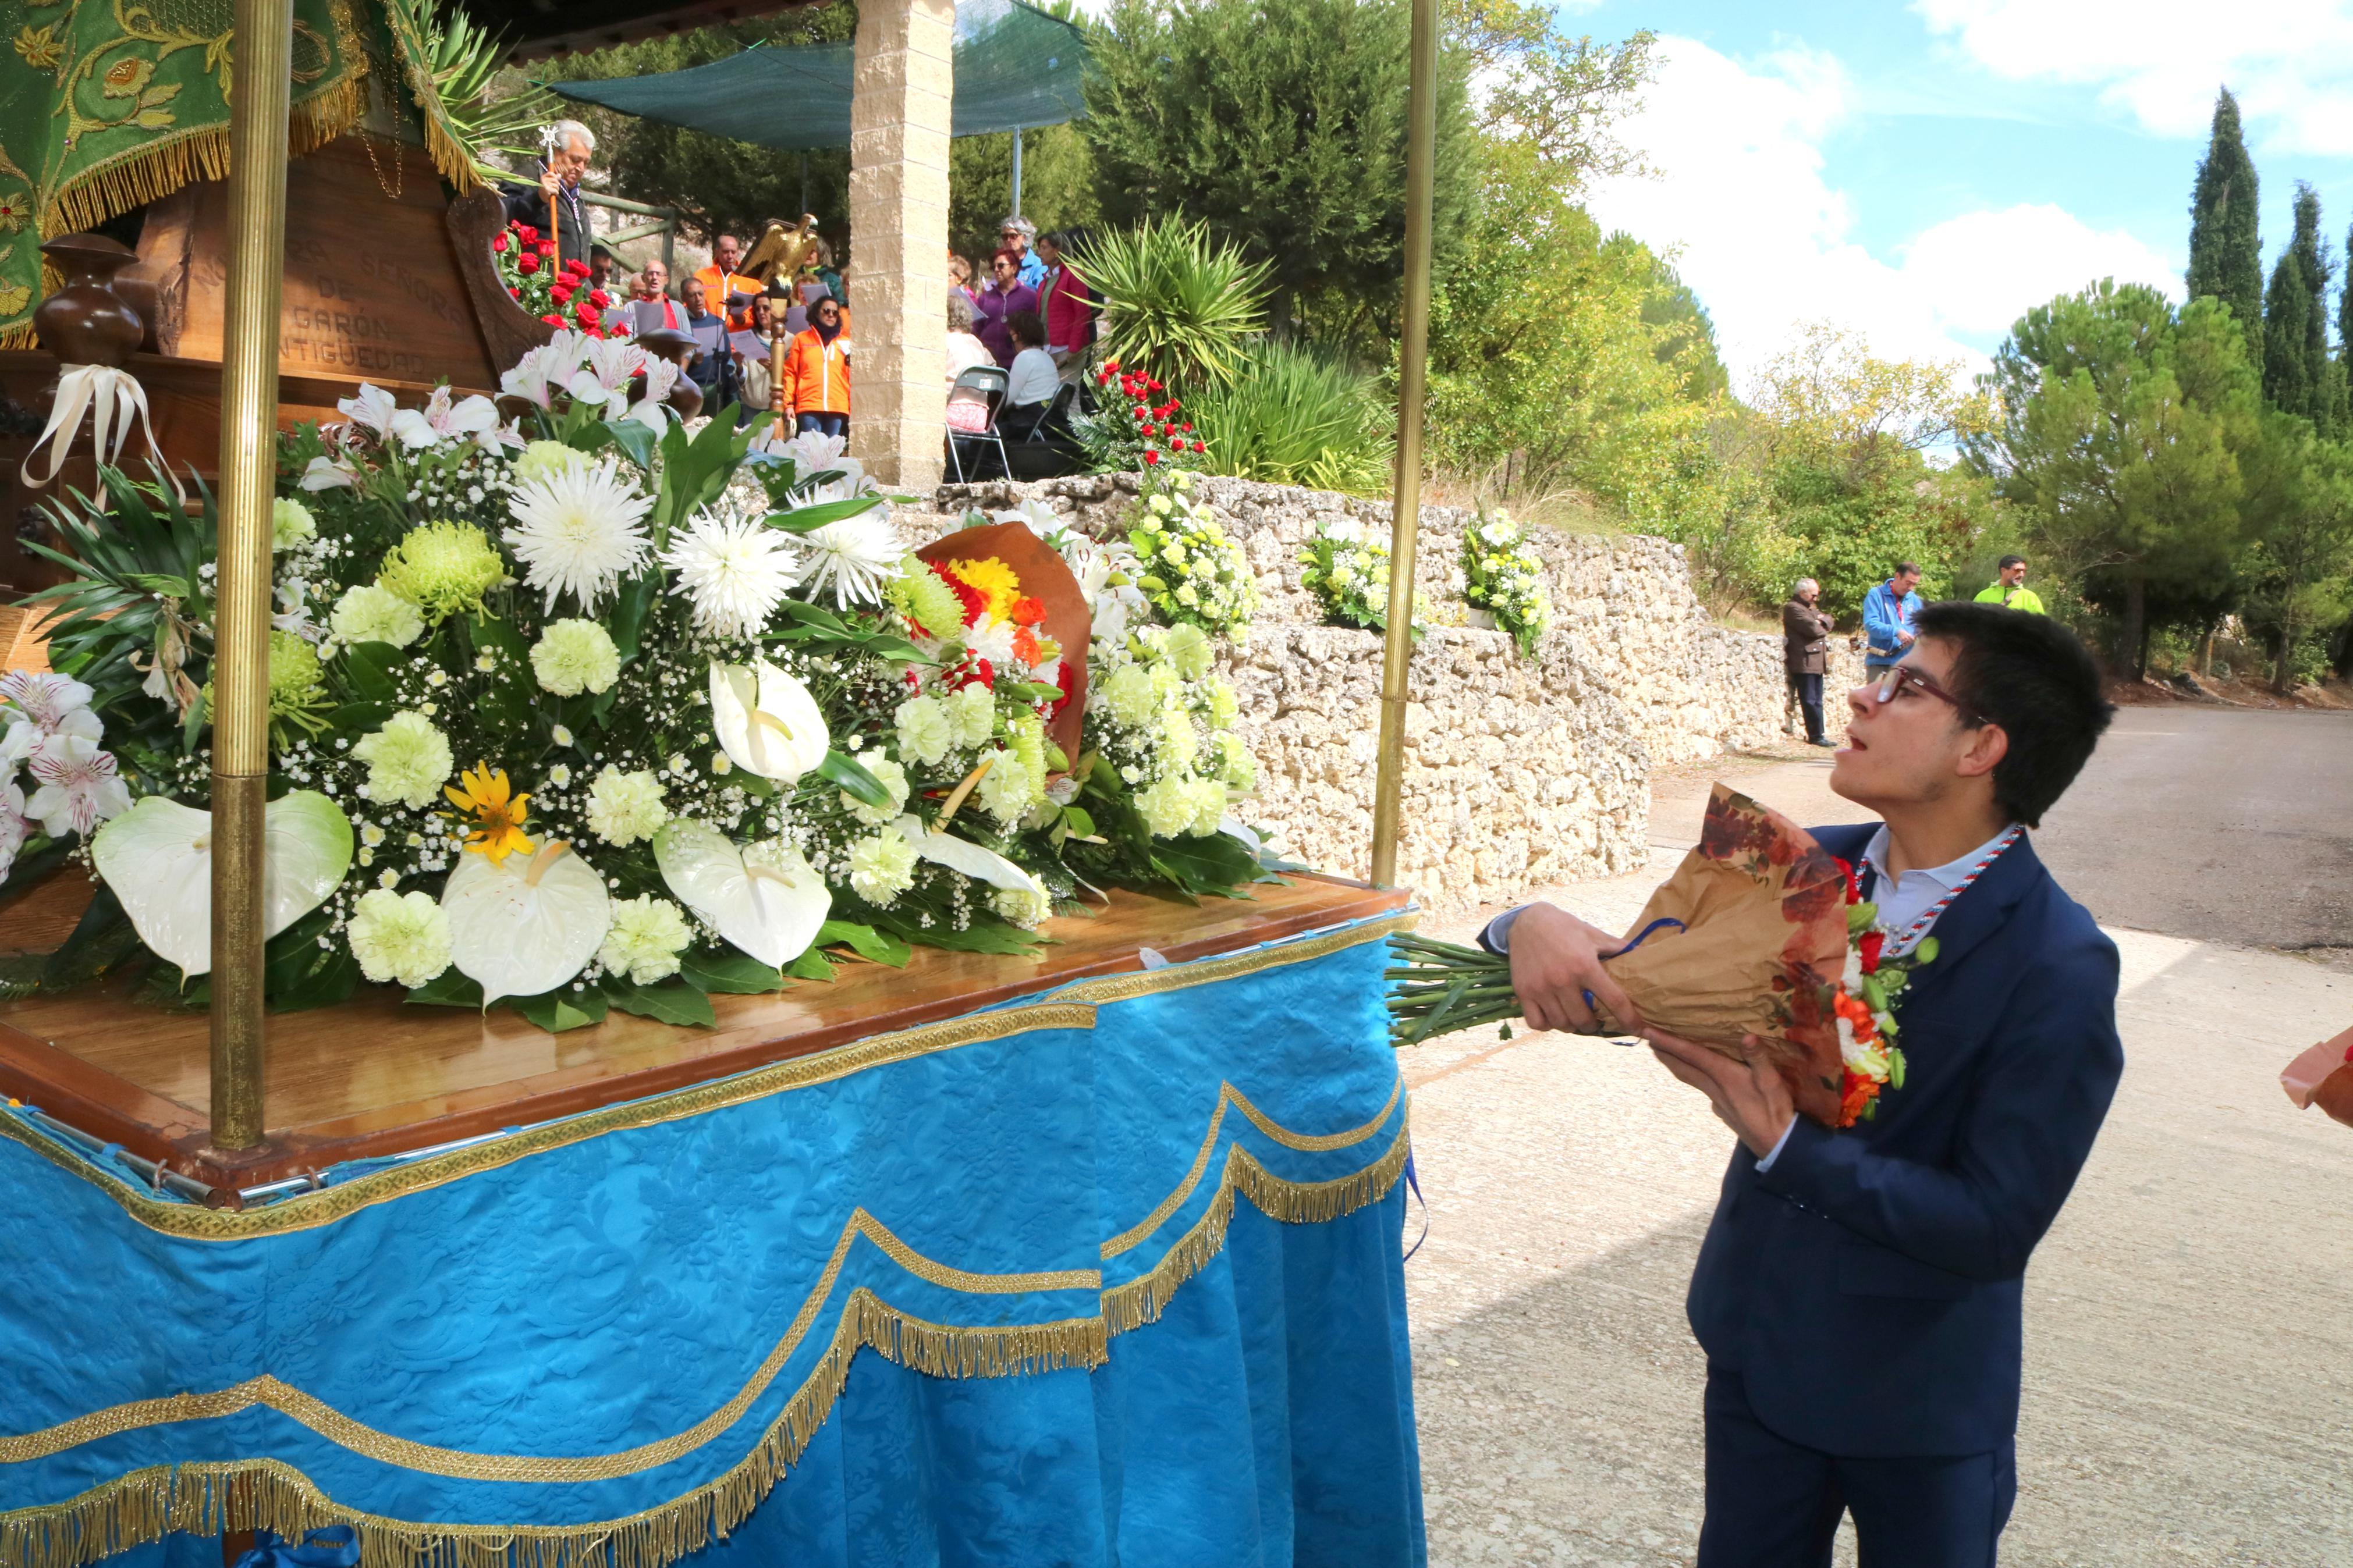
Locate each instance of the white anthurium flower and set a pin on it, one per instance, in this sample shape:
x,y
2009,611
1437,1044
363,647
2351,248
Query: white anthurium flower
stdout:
x,y
962,855
525,924
1235,828
373,410
157,858
766,721
765,898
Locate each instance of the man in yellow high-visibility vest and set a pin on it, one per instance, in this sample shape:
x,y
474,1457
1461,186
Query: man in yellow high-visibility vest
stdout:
x,y
2009,589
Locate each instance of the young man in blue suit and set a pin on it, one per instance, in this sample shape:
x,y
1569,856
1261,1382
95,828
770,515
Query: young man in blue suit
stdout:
x,y
1858,1294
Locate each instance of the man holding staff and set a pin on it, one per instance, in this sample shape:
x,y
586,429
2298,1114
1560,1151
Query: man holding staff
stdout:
x,y
1858,1294
553,207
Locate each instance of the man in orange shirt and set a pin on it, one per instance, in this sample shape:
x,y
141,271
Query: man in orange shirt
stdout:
x,y
725,292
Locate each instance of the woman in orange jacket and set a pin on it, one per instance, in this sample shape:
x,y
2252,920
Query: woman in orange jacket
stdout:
x,y
815,377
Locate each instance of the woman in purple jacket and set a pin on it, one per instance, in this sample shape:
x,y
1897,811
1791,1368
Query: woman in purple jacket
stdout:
x,y
1004,295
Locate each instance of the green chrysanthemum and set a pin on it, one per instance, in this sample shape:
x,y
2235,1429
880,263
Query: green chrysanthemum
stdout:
x,y
645,939
918,593
541,458
575,655
407,760
403,939
369,614
298,691
443,568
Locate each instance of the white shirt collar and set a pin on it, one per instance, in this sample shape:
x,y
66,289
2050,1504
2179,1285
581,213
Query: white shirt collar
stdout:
x,y
1946,875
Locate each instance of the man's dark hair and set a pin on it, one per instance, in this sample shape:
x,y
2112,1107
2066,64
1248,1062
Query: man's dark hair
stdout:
x,y
2006,561
1027,329
596,250
1903,566
2032,676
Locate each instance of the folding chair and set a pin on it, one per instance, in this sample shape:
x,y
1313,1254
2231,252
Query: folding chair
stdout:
x,y
991,380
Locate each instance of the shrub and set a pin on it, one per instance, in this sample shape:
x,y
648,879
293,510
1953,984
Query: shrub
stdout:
x,y
1175,305
1295,416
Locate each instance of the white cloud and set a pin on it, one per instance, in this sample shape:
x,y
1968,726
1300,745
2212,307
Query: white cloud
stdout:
x,y
2290,62
1764,238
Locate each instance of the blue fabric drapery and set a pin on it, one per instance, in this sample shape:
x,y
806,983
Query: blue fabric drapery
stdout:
x,y
1108,1278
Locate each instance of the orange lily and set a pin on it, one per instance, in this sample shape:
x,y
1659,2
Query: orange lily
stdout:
x,y
497,815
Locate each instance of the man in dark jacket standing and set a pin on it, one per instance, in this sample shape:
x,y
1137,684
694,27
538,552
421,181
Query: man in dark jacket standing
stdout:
x,y
1860,1292
1805,637
569,143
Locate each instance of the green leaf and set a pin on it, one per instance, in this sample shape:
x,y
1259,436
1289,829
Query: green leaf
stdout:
x,y
359,718
810,965
734,972
636,440
366,668
1076,820
163,583
447,989
804,519
864,941
984,935
557,1011
673,1003
630,611
850,775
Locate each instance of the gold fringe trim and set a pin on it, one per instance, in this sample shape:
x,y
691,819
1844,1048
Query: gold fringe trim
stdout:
x,y
154,170
313,1210
1184,976
450,156
1142,1300
20,336
209,1498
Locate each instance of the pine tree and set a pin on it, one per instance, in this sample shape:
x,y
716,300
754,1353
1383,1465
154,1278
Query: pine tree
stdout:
x,y
2226,255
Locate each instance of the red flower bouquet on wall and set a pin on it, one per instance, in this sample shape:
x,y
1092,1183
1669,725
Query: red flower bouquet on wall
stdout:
x,y
1759,943
562,297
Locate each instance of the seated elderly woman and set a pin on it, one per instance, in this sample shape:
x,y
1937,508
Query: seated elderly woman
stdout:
x,y
1033,379
967,408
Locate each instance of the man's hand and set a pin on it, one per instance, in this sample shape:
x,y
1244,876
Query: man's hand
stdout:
x,y
549,182
1749,1097
1556,959
1903,639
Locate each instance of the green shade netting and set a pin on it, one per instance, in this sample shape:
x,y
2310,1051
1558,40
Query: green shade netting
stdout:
x,y
1015,68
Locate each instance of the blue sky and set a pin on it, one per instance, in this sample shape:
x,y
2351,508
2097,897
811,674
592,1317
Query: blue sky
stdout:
x,y
1922,173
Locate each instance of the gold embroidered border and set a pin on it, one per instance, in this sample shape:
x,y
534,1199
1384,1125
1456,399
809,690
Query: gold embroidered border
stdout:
x,y
208,1499
1228,1095
313,1210
1180,976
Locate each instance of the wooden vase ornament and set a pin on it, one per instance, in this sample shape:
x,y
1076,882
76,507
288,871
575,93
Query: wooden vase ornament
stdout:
x,y
86,322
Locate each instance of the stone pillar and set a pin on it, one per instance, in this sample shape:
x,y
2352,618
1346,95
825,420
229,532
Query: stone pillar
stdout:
x,y
899,238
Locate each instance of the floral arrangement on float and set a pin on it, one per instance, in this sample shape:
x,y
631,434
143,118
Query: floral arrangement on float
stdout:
x,y
561,297
574,707
1138,424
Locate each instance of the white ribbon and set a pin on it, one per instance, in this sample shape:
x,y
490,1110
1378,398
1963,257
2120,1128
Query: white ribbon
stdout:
x,y
107,394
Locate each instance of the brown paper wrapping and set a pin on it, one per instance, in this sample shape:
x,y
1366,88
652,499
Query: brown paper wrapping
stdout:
x,y
1763,912
2323,1076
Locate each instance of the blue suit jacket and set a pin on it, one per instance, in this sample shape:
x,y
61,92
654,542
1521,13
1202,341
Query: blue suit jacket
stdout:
x,y
1867,1288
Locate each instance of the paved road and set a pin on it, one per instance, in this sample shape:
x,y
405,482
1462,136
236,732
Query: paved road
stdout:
x,y
2190,1321
2216,824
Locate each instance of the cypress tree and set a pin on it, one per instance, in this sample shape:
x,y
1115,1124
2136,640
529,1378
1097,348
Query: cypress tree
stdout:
x,y
2312,254
2226,254
2287,310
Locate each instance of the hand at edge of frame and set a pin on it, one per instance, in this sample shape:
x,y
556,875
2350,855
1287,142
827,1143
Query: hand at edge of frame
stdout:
x,y
1556,959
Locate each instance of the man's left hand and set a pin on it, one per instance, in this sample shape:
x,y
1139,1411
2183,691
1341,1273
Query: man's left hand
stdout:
x,y
1749,1097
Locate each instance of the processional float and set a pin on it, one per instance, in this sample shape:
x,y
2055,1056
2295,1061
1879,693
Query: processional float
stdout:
x,y
1116,1216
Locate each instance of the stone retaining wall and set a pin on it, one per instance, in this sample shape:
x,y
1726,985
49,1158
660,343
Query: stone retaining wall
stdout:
x,y
1518,771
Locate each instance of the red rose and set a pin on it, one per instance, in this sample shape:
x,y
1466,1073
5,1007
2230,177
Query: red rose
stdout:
x,y
1200,446
515,293
527,263
596,333
1189,428
529,234
1141,412
1067,678
587,314
1155,386
1111,364
1173,405
602,300
548,247
1151,457
560,294
1869,946
500,245
553,320
577,267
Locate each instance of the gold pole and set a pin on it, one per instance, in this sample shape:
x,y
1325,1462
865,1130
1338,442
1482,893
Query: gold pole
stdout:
x,y
1413,354
260,85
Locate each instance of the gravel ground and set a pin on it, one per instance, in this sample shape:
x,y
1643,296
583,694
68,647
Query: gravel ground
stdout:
x,y
2189,1357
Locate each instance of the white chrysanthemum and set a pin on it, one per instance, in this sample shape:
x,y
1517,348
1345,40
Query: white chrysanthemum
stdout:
x,y
645,941
926,732
735,570
854,557
370,613
992,639
578,531
972,710
399,938
1025,907
624,808
893,780
1006,791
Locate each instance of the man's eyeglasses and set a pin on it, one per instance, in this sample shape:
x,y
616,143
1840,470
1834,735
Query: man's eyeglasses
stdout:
x,y
1896,676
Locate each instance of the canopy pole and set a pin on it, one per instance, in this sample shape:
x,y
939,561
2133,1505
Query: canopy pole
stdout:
x,y
1017,171
1413,354
260,88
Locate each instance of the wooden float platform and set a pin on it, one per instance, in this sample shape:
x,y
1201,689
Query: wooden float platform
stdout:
x,y
377,1076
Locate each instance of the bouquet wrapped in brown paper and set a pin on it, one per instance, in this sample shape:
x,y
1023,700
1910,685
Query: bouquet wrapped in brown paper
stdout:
x,y
1760,936
2323,1076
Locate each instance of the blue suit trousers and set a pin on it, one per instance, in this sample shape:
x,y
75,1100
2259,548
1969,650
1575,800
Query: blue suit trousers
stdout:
x,y
1772,1503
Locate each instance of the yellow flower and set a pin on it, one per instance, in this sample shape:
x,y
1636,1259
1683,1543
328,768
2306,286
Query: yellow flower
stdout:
x,y
498,820
39,46
125,76
993,578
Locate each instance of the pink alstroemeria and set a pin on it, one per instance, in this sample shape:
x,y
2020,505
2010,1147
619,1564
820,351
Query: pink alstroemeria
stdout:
x,y
651,410
371,410
605,375
443,420
540,374
14,828
79,789
44,698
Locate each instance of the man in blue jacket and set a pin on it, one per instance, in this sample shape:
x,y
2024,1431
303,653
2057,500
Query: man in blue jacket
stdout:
x,y
1891,614
1858,1293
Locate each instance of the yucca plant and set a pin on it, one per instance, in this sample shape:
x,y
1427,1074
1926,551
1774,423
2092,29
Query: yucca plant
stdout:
x,y
1175,304
457,60
1294,415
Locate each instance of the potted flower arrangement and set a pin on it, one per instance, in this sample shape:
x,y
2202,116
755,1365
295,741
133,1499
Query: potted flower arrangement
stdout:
x,y
581,710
